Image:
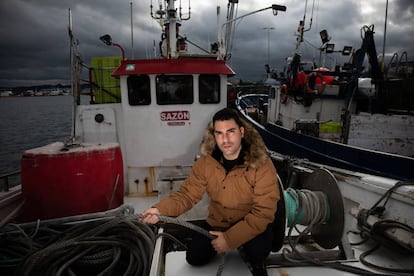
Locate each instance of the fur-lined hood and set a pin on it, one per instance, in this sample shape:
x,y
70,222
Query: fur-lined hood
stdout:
x,y
255,153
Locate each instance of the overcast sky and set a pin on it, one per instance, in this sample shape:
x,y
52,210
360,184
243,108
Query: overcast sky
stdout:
x,y
34,44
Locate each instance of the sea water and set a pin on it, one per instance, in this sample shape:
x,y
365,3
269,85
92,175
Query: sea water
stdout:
x,y
29,122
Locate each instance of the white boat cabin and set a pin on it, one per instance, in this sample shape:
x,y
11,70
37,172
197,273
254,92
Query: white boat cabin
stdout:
x,y
166,104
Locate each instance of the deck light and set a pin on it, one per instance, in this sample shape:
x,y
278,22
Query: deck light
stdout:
x,y
324,36
278,7
330,47
107,39
347,50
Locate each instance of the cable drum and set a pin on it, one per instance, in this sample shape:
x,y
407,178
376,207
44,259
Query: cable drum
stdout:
x,y
318,206
329,230
306,207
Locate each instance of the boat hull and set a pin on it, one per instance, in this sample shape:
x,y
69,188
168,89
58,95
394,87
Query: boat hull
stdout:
x,y
330,153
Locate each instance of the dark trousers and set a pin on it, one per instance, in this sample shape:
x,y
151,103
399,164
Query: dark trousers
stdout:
x,y
200,251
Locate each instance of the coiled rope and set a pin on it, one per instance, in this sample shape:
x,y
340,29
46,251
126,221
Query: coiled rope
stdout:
x,y
108,246
116,245
306,207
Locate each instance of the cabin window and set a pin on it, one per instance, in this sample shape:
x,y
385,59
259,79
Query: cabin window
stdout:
x,y
174,89
139,90
209,89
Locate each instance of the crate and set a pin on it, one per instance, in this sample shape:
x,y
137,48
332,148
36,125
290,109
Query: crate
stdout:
x,y
106,88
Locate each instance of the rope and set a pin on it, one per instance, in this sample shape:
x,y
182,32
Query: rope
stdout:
x,y
193,227
377,232
306,207
115,245
199,230
188,225
111,246
311,208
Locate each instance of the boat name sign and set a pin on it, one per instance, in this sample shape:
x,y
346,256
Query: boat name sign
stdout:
x,y
174,116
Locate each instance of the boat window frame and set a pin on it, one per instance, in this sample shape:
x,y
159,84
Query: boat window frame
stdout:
x,y
141,94
207,94
164,96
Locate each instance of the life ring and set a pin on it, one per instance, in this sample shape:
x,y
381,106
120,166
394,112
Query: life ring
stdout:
x,y
283,94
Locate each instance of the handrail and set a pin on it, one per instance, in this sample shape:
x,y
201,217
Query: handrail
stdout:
x,y
404,54
394,56
5,178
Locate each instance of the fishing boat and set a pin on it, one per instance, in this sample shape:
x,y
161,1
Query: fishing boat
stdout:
x,y
346,116
78,207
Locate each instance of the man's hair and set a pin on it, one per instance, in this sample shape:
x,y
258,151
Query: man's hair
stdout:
x,y
228,114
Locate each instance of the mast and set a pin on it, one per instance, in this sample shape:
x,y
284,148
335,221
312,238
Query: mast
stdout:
x,y
132,31
172,27
172,43
385,35
73,74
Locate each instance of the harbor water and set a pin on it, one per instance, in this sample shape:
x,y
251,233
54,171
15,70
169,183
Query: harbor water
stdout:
x,y
29,122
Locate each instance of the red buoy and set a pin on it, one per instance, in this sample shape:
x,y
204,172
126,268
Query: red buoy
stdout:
x,y
59,181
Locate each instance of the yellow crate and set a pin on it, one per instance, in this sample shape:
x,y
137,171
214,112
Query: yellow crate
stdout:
x,y
106,88
330,127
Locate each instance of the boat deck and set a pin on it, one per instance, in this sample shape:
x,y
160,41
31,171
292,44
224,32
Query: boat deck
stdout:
x,y
175,263
233,265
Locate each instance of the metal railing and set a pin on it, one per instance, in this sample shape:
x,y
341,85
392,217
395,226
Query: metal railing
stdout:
x,y
5,180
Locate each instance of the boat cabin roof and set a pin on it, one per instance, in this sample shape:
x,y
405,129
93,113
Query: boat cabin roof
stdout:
x,y
173,66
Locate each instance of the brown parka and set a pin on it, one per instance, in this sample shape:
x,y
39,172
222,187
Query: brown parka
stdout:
x,y
242,201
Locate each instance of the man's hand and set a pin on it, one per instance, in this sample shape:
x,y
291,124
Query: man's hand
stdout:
x,y
150,216
219,243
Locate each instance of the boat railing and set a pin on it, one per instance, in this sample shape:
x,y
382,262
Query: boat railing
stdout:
x,y
5,180
405,70
397,67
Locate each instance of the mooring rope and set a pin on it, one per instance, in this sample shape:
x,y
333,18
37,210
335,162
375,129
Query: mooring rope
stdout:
x,y
116,245
193,227
109,246
183,223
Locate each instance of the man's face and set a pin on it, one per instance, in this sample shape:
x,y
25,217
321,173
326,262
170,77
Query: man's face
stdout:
x,y
228,137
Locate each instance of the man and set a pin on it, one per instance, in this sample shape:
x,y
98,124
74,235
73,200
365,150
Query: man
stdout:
x,y
310,83
241,181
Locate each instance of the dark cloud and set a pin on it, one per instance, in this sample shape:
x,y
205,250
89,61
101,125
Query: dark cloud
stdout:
x,y
34,46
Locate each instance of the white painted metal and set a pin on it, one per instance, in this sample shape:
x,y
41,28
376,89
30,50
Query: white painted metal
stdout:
x,y
150,146
93,131
380,132
321,110
153,142
388,133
